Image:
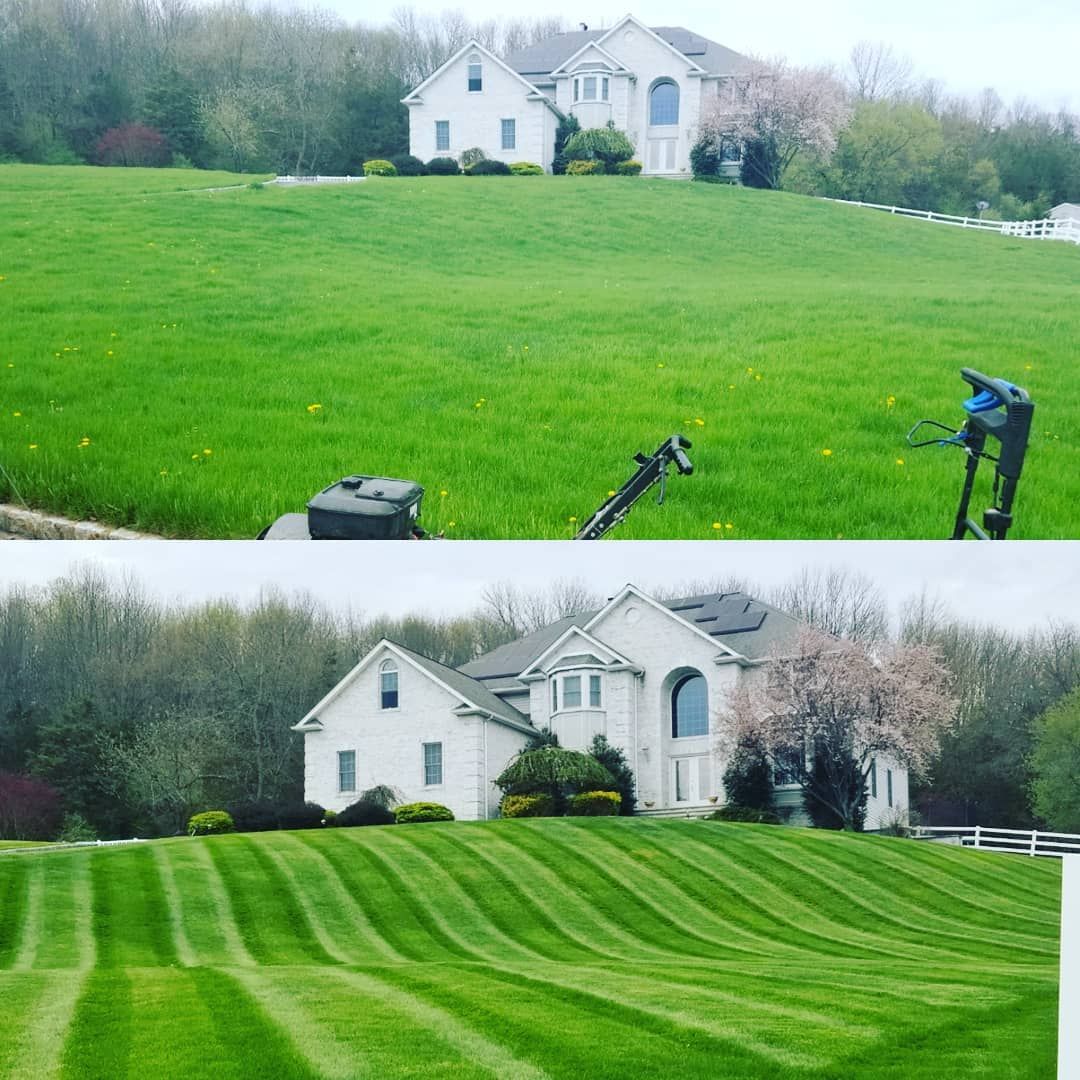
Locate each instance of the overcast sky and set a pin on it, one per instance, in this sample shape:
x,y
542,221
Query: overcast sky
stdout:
x,y
1021,49
1021,584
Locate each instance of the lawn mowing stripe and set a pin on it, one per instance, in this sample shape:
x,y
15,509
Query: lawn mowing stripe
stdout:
x,y
570,981
786,907
598,1037
427,916
39,1052
97,1045
618,905
570,903
132,923
238,857
13,903
466,909
343,903
464,1037
31,932
376,898
225,919
653,889
537,912
299,891
973,901
893,909
746,891
184,951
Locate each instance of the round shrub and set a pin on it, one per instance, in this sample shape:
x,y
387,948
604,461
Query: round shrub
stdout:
x,y
488,168
443,166
378,167
299,815
257,816
365,812
414,812
751,814
407,165
606,144
594,804
210,822
516,806
584,168
628,168
526,168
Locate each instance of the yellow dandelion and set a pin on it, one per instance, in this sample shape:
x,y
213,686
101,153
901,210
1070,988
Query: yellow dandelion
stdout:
x,y
611,494
899,461
11,365
2,278
749,371
207,453
1029,367
716,525
33,446
67,348
478,405
660,365
114,334
451,524
194,457
826,453
573,520
731,386
314,407
108,352
699,422
757,378
444,493
16,414
525,348
57,355
729,526
164,472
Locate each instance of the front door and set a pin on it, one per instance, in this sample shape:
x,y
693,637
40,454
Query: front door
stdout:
x,y
661,155
691,780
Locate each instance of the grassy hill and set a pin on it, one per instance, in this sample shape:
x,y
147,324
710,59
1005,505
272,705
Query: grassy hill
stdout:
x,y
529,949
510,343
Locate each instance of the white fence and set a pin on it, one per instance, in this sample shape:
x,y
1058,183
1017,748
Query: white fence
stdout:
x,y
317,179
1042,229
1014,841
1069,989
37,849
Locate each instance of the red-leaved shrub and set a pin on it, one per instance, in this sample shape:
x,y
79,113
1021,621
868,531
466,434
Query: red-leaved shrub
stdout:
x,y
29,809
133,144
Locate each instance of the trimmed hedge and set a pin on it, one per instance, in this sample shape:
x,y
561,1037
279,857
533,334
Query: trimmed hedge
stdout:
x,y
526,168
731,812
407,165
414,812
443,166
210,822
365,812
628,168
584,168
379,167
594,804
518,806
307,815
488,168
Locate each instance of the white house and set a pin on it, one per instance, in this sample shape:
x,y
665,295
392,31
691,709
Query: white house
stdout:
x,y
649,675
1065,212
649,82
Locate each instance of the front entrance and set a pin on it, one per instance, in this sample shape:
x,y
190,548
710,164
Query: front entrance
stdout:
x,y
660,155
691,780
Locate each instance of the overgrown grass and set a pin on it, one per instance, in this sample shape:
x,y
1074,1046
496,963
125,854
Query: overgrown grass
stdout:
x,y
530,949
512,343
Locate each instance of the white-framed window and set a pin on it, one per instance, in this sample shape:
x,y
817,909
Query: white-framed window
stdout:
x,y
432,764
442,134
554,696
577,88
888,785
664,104
873,779
588,88
509,134
346,770
571,691
476,74
577,690
388,685
690,707
605,87
595,697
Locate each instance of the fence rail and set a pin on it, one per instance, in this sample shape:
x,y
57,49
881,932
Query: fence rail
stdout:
x,y
1067,229
1015,841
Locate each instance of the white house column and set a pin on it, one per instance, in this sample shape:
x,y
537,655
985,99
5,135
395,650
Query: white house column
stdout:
x,y
1069,994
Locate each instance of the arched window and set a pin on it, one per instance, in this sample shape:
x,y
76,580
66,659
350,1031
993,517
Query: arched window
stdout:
x,y
664,104
476,74
388,685
689,707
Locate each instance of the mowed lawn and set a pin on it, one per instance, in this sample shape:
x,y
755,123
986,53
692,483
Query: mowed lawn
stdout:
x,y
530,949
510,343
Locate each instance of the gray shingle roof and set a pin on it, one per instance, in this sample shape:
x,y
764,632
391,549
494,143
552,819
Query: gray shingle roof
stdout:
x,y
545,56
468,688
750,627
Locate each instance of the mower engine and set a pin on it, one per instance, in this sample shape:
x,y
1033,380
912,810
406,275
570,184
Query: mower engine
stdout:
x,y
356,508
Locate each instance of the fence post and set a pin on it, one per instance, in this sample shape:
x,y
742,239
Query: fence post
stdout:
x,y
977,828
1069,995
1034,836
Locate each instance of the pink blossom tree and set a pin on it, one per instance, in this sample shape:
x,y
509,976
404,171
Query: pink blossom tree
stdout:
x,y
827,708
774,112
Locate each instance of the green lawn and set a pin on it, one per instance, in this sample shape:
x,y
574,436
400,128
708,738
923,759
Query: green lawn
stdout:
x,y
511,343
530,949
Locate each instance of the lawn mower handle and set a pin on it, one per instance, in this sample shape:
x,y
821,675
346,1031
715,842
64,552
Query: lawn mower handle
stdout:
x,y
1001,390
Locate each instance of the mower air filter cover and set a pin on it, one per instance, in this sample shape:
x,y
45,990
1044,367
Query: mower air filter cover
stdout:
x,y
365,508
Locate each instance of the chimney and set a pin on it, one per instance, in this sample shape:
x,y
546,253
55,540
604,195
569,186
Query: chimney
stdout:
x,y
584,26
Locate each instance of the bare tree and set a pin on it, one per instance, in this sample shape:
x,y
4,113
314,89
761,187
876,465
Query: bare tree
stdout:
x,y
520,611
836,601
829,708
876,72
777,112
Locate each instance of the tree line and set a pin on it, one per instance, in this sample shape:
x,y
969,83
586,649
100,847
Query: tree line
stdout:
x,y
139,712
229,85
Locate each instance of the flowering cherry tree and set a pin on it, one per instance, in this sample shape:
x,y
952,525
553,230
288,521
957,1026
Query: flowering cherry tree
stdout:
x,y
775,111
827,708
